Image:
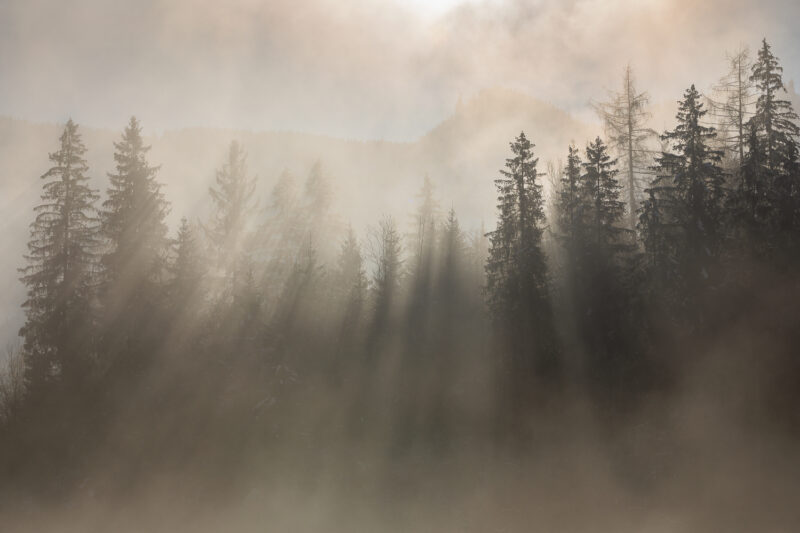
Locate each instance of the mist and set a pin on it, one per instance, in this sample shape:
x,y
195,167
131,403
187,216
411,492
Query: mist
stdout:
x,y
460,265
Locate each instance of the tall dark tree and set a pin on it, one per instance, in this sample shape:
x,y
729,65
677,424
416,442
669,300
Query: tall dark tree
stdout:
x,y
601,207
777,127
134,265
517,280
568,202
685,204
61,260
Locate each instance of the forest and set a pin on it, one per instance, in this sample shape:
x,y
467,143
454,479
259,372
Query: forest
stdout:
x,y
621,339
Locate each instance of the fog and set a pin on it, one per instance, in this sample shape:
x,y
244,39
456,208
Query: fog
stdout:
x,y
292,266
356,69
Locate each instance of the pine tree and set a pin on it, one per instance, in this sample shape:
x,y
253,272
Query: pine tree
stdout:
x,y
625,117
778,131
61,261
229,228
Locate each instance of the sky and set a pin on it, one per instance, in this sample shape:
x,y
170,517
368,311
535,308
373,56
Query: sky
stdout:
x,y
359,69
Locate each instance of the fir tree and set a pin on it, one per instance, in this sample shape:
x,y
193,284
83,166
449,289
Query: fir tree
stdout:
x,y
186,270
778,131
685,202
351,276
228,230
517,282
599,199
61,260
569,200
133,224
133,216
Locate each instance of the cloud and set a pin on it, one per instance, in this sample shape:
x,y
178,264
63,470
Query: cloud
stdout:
x,y
357,68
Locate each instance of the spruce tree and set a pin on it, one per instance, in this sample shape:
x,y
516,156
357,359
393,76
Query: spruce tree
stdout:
x,y
777,129
601,208
517,278
133,217
185,286
229,228
134,265
61,261
351,281
568,201
685,202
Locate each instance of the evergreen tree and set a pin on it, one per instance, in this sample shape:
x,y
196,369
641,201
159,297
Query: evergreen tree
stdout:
x,y
749,209
385,251
778,131
387,255
229,228
422,243
685,203
61,260
133,216
453,253
186,282
568,201
351,278
133,224
315,220
517,279
601,208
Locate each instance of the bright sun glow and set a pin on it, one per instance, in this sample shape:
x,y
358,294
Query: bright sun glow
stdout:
x,y
433,8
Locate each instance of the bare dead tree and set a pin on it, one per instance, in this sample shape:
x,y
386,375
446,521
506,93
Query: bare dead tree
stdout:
x,y
625,118
733,102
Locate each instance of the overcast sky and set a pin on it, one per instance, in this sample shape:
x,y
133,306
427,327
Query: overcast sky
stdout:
x,y
358,69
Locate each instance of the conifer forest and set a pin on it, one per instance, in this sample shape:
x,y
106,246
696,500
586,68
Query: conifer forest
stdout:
x,y
259,274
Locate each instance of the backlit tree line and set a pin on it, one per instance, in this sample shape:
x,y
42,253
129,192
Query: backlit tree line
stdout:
x,y
273,321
